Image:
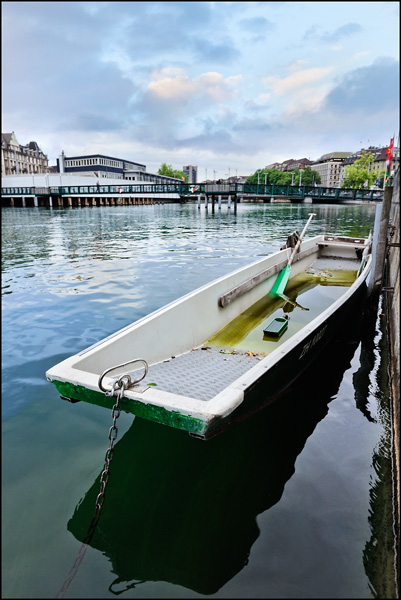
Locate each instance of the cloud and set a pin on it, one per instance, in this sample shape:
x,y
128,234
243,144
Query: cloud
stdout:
x,y
341,32
361,54
173,84
362,101
372,89
151,81
296,80
333,37
223,52
256,25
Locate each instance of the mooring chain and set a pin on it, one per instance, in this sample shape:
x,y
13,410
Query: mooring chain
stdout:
x,y
118,388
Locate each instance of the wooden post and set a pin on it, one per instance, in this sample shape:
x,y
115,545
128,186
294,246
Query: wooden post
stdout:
x,y
379,245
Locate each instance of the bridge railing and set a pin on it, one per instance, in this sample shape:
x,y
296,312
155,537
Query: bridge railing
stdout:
x,y
186,189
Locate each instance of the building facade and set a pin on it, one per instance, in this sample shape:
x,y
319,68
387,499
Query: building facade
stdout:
x,y
21,160
330,167
379,163
291,164
101,166
191,172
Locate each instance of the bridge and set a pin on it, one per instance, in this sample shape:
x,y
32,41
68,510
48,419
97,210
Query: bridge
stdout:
x,y
150,193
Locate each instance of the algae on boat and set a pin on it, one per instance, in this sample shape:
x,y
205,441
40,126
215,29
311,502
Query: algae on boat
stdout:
x,y
315,290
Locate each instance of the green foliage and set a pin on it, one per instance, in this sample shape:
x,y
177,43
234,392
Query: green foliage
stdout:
x,y
309,176
277,177
168,171
359,173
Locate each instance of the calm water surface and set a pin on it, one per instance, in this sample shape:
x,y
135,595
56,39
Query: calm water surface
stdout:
x,y
295,502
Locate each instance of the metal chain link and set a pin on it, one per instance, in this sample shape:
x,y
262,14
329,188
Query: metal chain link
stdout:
x,y
117,390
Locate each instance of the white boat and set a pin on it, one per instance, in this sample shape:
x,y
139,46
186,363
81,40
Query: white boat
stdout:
x,y
204,361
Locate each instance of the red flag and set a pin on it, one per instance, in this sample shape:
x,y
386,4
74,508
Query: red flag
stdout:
x,y
389,150
389,153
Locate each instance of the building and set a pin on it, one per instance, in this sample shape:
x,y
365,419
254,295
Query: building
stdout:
x,y
191,173
101,166
291,164
21,160
379,163
330,167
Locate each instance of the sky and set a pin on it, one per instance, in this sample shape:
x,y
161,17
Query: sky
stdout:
x,y
229,87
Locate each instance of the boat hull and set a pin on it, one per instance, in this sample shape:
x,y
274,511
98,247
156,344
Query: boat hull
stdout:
x,y
262,379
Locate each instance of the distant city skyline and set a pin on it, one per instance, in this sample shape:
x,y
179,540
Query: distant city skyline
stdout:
x,y
226,86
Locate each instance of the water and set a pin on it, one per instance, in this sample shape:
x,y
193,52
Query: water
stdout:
x,y
305,290
295,502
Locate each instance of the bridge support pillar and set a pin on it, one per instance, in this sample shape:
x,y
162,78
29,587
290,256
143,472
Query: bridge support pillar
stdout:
x,y
199,201
205,200
229,202
219,202
308,200
11,201
50,202
35,201
69,200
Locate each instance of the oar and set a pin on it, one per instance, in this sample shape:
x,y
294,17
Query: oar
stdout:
x,y
284,275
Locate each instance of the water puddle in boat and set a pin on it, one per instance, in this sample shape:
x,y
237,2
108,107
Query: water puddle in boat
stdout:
x,y
313,291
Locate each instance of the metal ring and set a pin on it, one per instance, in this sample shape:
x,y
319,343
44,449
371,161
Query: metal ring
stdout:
x,y
120,378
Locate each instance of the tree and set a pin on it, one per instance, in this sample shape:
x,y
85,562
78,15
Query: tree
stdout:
x,y
277,177
309,176
271,176
168,171
359,175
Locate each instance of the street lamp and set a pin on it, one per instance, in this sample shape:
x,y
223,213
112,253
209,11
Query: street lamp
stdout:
x,y
300,176
258,172
292,177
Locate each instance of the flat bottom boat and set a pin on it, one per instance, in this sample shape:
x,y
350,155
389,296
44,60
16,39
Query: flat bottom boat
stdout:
x,y
204,362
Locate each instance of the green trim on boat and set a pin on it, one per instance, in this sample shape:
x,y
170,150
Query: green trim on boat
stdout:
x,y
147,411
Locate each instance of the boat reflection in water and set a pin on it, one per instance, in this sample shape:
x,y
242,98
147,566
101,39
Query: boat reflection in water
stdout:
x,y
182,510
